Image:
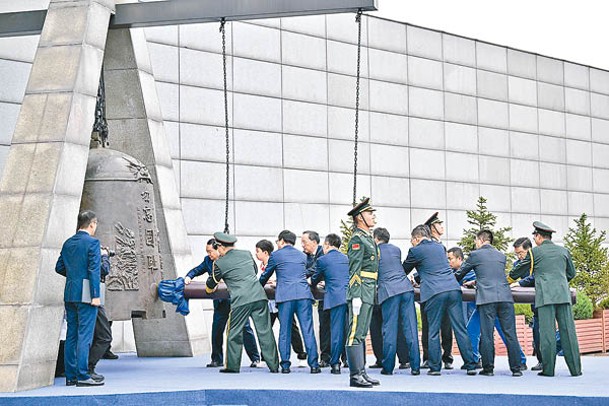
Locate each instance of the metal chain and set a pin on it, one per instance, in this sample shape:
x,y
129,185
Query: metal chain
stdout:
x,y
222,30
101,125
358,20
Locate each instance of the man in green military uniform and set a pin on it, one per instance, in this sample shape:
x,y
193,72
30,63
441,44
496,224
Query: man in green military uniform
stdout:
x,y
363,256
553,269
248,299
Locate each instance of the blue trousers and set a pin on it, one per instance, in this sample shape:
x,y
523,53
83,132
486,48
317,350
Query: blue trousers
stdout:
x,y
304,311
399,311
338,317
489,313
221,313
473,330
81,325
436,306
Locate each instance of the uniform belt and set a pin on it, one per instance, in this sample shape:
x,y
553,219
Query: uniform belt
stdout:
x,y
370,275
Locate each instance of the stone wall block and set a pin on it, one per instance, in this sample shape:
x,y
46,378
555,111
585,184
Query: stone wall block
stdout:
x,y
14,322
149,97
30,118
17,168
160,146
64,26
89,70
151,338
32,221
39,348
32,375
18,284
10,206
59,228
82,117
120,55
55,69
123,95
96,34
165,182
8,377
44,168
49,290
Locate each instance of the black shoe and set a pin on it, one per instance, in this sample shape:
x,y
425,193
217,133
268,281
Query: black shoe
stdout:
x,y
523,367
405,365
538,367
486,372
315,370
479,365
89,382
376,365
274,371
324,364
425,365
228,371
373,381
383,372
358,381
302,355
433,373
214,364
471,372
285,370
109,355
335,369
517,373
254,364
71,382
542,374
448,365
415,372
95,376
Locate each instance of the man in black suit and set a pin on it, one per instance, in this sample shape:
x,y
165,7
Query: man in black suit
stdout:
x,y
493,299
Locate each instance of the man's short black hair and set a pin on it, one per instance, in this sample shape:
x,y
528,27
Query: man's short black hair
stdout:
x,y
523,242
313,235
213,243
85,218
420,231
287,236
457,252
544,234
265,246
485,235
333,240
381,234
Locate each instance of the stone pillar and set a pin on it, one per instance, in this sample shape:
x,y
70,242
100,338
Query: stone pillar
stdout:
x,y
136,128
42,184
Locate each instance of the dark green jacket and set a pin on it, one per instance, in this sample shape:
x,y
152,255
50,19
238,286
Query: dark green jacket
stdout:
x,y
553,269
363,256
238,270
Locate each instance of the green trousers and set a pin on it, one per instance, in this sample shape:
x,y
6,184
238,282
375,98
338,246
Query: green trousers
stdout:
x,y
360,324
259,312
548,316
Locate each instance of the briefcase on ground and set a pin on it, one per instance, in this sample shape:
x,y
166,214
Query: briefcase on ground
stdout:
x,y
86,292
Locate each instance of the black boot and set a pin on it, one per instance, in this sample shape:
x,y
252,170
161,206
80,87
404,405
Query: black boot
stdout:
x,y
374,382
355,356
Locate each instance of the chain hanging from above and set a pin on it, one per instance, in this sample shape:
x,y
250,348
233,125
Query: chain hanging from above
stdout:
x,y
223,31
358,20
100,126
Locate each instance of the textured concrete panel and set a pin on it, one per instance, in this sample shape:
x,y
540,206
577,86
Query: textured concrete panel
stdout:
x,y
71,172
524,145
427,164
17,284
577,101
191,72
8,119
388,66
342,27
201,142
601,205
64,26
491,57
204,37
578,127
304,84
459,50
494,170
312,25
492,85
256,42
424,43
523,118
250,181
559,223
498,197
305,152
342,59
302,50
397,222
316,190
577,76
390,191
341,124
426,133
388,160
257,113
492,114
39,349
305,118
341,156
120,88
459,79
493,142
579,152
57,70
525,200
203,180
388,97
523,91
389,128
341,91
600,130
246,224
203,217
460,109
14,77
425,73
551,96
580,203
552,149
425,103
599,81
460,137
600,180
600,105
165,62
304,216
550,70
551,122
387,35
524,173
427,194
579,178
461,167
20,49
600,155
341,190
462,195
521,64
168,35
3,155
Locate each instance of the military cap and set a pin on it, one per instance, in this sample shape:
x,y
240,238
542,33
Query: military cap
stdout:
x,y
544,228
364,205
224,239
433,220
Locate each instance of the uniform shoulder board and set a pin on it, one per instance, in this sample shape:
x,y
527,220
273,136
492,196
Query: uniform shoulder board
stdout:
x,y
355,246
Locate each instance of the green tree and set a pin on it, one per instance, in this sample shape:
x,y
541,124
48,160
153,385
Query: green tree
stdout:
x,y
591,259
482,219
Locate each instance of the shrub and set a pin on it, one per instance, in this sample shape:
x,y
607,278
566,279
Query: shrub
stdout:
x,y
525,309
584,308
604,304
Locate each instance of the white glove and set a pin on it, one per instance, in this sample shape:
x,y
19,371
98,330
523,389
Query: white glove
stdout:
x,y
356,303
187,280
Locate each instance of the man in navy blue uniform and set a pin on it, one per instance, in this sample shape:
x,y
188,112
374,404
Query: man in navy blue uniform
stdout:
x,y
221,313
79,261
441,294
333,268
396,297
493,300
293,295
310,245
